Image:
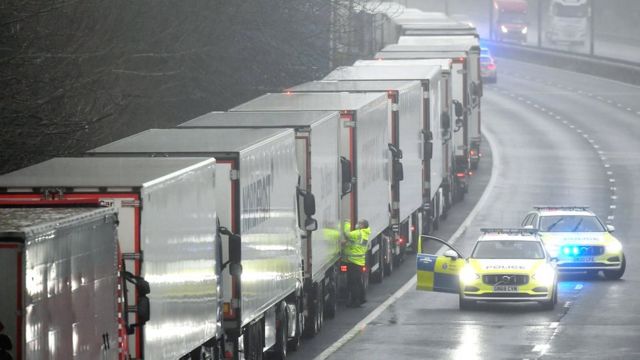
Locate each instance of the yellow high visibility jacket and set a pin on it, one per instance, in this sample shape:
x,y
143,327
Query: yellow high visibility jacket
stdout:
x,y
355,250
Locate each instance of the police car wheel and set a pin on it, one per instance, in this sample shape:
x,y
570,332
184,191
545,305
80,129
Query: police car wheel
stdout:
x,y
616,274
466,304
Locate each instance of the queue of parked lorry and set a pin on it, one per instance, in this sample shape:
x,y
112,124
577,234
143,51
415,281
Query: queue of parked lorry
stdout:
x,y
220,238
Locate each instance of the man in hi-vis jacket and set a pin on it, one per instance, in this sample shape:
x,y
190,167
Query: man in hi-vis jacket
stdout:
x,y
355,254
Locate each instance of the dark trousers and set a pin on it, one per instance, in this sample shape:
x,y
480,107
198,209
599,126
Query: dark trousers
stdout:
x,y
355,278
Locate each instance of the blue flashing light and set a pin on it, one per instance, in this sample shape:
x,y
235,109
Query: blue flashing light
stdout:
x,y
576,251
566,250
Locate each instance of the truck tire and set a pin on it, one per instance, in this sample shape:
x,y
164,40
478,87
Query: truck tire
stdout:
x,y
376,277
616,274
253,340
280,348
331,304
316,312
294,343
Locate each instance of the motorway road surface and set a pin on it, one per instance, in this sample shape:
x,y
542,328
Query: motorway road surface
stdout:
x,y
556,138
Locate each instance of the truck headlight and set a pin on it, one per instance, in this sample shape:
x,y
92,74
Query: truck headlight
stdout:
x,y
614,247
545,274
504,29
525,30
468,275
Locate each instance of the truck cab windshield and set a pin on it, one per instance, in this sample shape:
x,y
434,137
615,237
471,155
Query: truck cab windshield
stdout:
x,y
579,11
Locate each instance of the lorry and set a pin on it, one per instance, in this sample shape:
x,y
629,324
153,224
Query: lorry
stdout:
x,y
318,160
363,142
256,188
409,144
167,234
568,21
54,260
434,189
509,20
466,86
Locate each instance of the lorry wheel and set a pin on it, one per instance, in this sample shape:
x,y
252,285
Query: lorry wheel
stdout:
x,y
294,343
616,274
253,342
376,277
319,308
280,349
331,305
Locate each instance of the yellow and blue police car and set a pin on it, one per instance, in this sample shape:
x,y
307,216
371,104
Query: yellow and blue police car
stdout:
x,y
506,265
578,239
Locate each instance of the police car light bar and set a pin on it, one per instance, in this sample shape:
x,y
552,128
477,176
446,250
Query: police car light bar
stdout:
x,y
515,231
561,207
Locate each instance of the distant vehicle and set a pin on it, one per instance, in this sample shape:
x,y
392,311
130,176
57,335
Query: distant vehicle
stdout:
x,y
568,21
579,239
506,265
510,20
488,70
485,51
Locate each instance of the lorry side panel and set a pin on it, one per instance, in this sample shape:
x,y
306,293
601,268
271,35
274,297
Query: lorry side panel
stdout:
x,y
458,88
412,145
10,303
473,67
373,165
435,108
326,189
178,241
271,249
71,265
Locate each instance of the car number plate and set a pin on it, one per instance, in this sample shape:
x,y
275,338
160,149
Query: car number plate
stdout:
x,y
583,259
505,288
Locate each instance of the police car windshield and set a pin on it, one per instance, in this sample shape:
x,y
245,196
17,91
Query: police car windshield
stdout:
x,y
508,249
570,223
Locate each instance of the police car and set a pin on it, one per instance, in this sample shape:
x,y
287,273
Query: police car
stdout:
x,y
507,265
578,239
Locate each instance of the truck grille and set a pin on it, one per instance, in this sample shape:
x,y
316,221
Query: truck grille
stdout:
x,y
505,279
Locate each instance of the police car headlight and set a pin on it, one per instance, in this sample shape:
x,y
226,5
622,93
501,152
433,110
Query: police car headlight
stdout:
x,y
553,250
504,29
545,274
614,247
468,275
525,30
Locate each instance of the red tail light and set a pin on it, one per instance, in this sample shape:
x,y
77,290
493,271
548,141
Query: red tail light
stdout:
x,y
491,66
400,241
364,269
228,355
472,152
413,228
460,174
343,268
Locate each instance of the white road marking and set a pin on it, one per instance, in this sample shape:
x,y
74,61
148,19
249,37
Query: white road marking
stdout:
x,y
613,188
596,146
610,217
360,326
612,207
563,121
607,165
567,304
558,117
612,180
614,197
578,286
609,172
629,109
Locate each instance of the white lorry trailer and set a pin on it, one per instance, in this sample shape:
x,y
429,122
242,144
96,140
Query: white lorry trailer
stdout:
x,y
256,183
363,141
432,193
318,158
167,233
410,146
54,260
468,92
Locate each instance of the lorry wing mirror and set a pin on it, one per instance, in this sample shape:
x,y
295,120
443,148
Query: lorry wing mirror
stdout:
x,y
458,108
398,171
395,151
309,203
311,224
345,166
445,120
143,310
611,228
